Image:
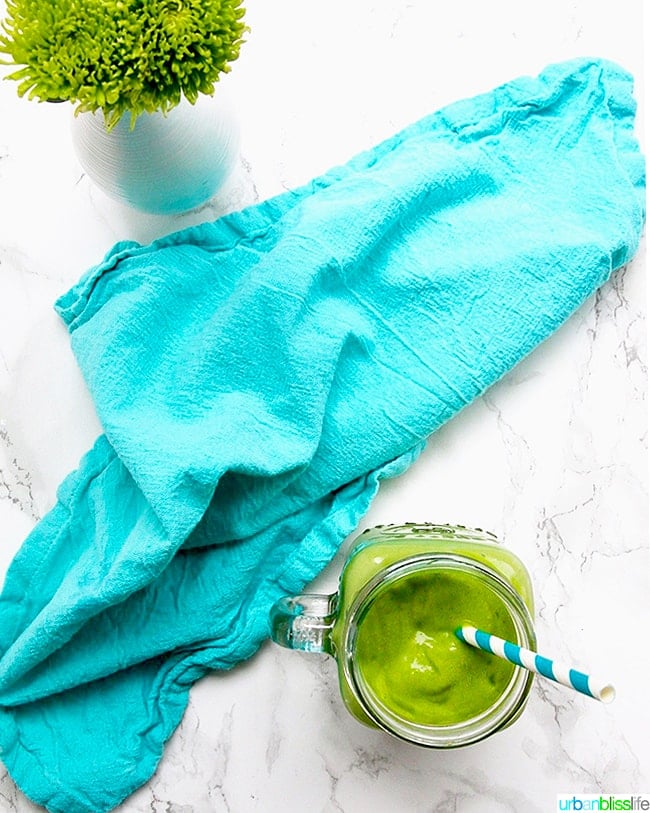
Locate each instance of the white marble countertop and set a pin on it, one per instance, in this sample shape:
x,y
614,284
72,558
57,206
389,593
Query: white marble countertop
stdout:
x,y
552,459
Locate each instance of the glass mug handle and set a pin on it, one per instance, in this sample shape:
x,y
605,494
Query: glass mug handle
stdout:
x,y
304,622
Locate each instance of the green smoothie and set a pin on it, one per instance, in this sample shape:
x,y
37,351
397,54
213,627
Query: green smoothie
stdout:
x,y
412,662
405,650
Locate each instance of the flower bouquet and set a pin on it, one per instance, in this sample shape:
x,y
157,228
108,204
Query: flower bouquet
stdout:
x,y
120,55
139,74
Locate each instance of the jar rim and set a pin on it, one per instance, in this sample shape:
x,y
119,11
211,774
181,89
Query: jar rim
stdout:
x,y
503,712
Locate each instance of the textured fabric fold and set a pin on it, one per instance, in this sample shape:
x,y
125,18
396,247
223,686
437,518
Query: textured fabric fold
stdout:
x,y
258,376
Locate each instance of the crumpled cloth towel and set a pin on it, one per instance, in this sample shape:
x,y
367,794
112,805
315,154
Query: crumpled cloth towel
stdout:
x,y
257,377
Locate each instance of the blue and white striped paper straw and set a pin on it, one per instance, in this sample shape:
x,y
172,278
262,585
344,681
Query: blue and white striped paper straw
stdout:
x,y
536,663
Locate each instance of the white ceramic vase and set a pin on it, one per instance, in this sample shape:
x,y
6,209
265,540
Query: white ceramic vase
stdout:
x,y
165,164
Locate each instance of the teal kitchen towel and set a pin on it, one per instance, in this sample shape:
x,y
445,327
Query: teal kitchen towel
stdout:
x,y
258,376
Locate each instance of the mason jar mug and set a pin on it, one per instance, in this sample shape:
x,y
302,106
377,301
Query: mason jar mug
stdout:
x,y
403,592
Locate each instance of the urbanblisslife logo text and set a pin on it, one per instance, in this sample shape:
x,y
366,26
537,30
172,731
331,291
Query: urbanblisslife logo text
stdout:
x,y
619,801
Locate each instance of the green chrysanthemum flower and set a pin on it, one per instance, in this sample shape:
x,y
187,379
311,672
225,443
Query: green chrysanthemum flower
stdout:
x,y
121,55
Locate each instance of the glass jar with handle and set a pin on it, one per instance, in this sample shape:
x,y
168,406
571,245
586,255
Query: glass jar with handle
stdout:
x,y
403,592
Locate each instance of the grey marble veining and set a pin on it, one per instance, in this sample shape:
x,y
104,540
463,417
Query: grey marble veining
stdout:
x,y
553,458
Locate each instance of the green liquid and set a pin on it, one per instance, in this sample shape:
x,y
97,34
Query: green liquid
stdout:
x,y
413,663
406,651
